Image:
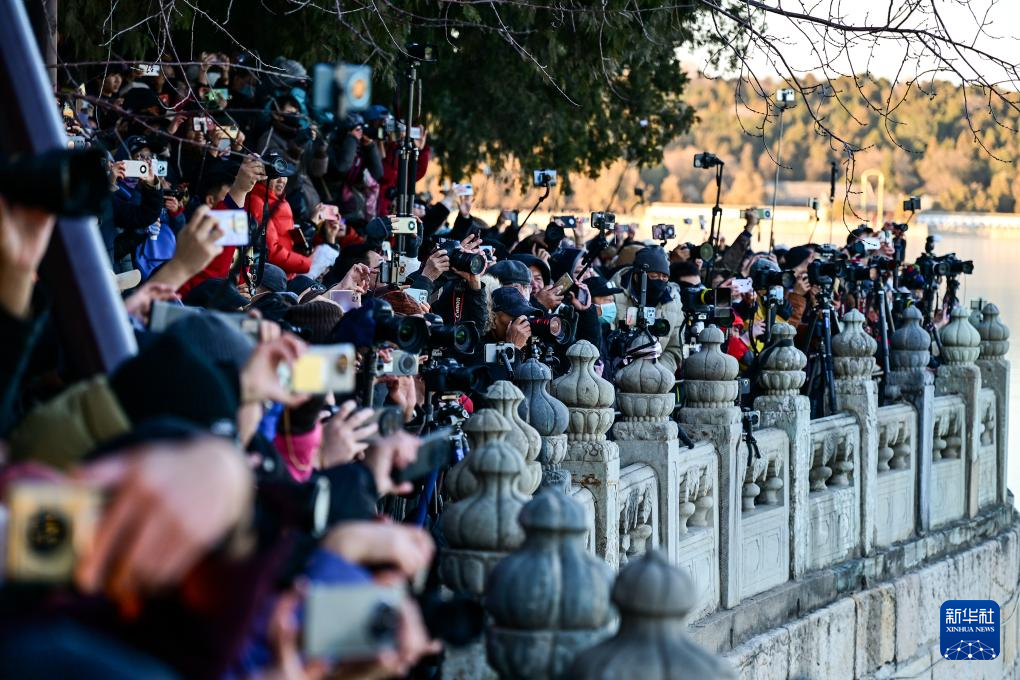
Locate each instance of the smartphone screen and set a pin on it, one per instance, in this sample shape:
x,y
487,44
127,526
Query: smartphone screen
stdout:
x,y
234,225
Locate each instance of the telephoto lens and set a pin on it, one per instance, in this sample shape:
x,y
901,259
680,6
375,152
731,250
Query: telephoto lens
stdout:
x,y
548,328
462,337
408,333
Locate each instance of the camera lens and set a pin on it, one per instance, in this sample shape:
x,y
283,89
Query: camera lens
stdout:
x,y
382,623
472,263
47,531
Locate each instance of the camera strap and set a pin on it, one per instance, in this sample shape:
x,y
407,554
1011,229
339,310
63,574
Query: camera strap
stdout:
x,y
458,304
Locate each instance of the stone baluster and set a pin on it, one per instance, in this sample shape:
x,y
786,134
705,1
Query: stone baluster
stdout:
x,y
783,406
549,416
482,528
886,436
710,414
909,356
592,460
958,374
774,482
995,374
854,364
645,434
549,599
901,449
653,598
705,501
506,398
479,428
688,494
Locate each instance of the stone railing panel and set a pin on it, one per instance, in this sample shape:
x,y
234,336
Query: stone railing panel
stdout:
x,y
584,497
639,511
834,497
698,541
897,474
765,515
949,483
987,453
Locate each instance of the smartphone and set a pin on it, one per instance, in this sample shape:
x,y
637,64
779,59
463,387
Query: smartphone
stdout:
x,y
663,232
351,622
565,282
200,124
464,189
742,286
569,221
403,225
347,299
764,213
323,369
234,225
489,252
50,524
514,218
328,213
159,168
582,296
231,131
418,295
137,169
415,132
223,144
147,70
215,94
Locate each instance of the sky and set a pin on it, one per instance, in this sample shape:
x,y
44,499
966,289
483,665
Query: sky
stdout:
x,y
806,46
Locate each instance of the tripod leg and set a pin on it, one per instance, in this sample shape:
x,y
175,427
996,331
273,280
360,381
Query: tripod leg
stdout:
x,y
830,376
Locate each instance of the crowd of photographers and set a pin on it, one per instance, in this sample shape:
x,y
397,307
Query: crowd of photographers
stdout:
x,y
241,497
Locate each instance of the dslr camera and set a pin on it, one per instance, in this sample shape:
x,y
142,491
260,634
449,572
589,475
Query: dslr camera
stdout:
x,y
469,263
549,328
762,279
461,337
706,160
408,333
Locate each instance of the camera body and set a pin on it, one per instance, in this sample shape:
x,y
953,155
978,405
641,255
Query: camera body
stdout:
x,y
49,527
276,165
448,375
663,232
706,160
462,337
408,333
707,305
763,279
545,178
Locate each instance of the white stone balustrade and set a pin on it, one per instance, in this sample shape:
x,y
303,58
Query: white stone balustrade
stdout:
x,y
834,509
949,484
895,512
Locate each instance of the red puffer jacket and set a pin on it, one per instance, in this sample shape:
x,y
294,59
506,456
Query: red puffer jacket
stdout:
x,y
279,242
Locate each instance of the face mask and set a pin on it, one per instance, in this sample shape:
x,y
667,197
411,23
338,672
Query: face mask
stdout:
x,y
607,312
213,77
655,291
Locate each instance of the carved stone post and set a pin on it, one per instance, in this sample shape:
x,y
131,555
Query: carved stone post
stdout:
x,y
854,363
958,374
645,434
909,355
710,414
653,598
995,374
506,398
549,416
549,599
480,428
482,528
783,406
592,460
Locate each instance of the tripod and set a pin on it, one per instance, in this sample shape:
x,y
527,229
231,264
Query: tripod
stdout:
x,y
879,301
820,386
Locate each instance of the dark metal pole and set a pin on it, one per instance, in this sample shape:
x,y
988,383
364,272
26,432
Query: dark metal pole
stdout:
x,y
89,313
